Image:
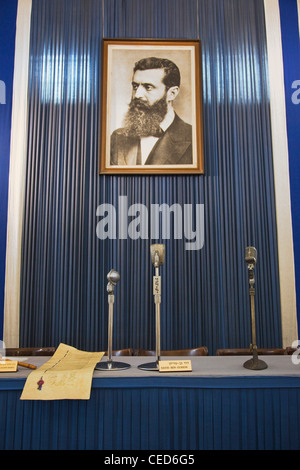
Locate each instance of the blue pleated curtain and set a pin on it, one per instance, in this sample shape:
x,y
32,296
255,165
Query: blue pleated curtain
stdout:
x,y
205,296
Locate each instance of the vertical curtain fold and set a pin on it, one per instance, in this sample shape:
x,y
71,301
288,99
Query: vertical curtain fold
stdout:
x,y
64,265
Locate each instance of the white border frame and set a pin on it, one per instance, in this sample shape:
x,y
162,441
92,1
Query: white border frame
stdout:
x,y
17,171
281,175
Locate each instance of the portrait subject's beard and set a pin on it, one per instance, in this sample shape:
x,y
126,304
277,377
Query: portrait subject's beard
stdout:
x,y
143,119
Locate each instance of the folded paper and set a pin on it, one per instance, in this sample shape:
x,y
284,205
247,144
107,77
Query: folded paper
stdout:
x,y
67,375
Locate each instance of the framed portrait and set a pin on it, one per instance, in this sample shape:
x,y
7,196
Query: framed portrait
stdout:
x,y
151,107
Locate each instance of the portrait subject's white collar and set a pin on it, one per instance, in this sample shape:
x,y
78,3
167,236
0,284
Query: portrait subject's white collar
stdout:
x,y
168,119
147,143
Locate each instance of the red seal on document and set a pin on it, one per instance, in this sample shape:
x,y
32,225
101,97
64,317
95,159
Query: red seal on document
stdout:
x,y
40,383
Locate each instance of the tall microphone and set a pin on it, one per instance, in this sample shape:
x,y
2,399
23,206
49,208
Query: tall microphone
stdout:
x,y
251,258
113,278
157,252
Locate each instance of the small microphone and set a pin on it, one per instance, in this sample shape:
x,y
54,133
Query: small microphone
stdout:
x,y
113,277
157,254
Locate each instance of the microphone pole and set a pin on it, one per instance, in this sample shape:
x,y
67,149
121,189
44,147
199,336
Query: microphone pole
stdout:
x,y
250,258
113,277
157,252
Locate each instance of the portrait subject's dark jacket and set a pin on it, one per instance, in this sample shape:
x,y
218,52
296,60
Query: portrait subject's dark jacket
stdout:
x,y
174,147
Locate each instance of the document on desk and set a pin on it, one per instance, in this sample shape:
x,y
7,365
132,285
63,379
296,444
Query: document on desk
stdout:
x,y
67,375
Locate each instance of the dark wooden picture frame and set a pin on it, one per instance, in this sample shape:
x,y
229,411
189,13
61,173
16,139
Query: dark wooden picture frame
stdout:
x,y
154,80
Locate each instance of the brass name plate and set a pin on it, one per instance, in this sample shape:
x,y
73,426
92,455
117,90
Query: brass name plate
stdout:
x,y
8,366
175,366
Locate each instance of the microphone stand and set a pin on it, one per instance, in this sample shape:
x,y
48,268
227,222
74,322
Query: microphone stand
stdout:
x,y
157,254
113,277
254,363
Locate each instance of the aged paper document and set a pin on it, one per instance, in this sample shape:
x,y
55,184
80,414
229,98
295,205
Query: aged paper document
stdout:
x,y
67,375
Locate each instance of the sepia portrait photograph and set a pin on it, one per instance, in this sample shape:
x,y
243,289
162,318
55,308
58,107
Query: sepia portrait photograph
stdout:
x,y
151,107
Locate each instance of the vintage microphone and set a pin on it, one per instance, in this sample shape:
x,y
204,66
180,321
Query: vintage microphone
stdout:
x,y
113,277
157,252
250,258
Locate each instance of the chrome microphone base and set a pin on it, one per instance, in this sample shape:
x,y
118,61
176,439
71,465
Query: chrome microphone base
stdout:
x,y
149,366
112,365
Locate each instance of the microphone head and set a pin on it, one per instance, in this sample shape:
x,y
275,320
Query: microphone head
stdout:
x,y
157,252
250,255
113,276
